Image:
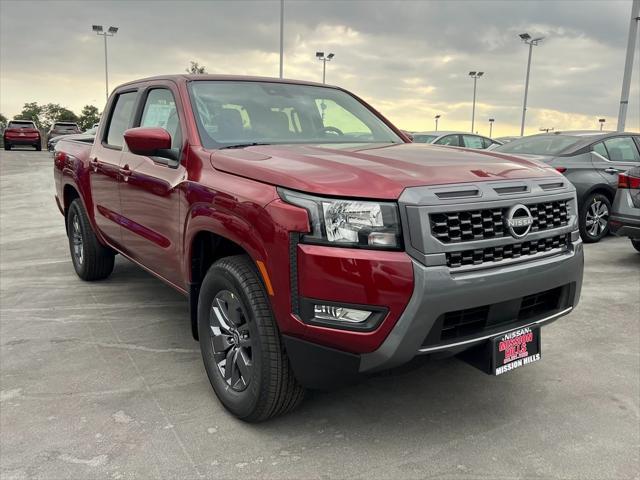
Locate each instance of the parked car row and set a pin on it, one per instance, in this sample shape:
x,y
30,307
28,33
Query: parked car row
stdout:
x,y
591,160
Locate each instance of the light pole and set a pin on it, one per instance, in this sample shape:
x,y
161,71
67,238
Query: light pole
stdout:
x,y
281,38
628,65
526,38
475,76
109,33
602,120
320,56
437,117
491,120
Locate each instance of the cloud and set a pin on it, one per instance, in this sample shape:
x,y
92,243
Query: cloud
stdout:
x,y
409,59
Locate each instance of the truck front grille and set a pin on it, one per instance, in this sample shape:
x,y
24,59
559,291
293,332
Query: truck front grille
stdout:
x,y
473,321
470,225
505,252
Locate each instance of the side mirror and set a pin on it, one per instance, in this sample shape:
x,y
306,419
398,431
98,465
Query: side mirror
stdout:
x,y
148,141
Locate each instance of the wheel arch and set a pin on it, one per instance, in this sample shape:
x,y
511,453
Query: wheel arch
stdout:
x,y
209,239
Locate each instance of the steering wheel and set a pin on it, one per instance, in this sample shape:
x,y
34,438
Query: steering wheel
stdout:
x,y
335,130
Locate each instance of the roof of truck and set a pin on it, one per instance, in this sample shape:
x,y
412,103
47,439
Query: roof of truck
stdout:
x,y
229,78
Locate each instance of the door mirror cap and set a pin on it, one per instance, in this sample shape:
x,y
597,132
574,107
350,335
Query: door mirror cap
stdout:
x,y
147,141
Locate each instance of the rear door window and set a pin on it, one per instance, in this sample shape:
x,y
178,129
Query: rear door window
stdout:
x,y
622,149
601,150
473,141
120,118
451,140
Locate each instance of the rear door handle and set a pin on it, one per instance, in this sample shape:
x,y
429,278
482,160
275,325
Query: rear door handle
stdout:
x,y
125,172
612,170
94,164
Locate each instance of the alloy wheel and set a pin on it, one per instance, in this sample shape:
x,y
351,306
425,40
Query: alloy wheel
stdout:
x,y
597,218
231,340
76,239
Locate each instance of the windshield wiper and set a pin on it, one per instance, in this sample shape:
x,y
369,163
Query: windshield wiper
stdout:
x,y
242,145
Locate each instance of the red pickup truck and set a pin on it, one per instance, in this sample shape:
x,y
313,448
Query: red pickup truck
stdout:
x,y
314,242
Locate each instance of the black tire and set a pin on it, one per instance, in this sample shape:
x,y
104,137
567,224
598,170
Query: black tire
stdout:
x,y
636,243
233,290
38,147
7,146
91,260
594,218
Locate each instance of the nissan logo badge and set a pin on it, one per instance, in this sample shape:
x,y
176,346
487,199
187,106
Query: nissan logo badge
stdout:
x,y
518,221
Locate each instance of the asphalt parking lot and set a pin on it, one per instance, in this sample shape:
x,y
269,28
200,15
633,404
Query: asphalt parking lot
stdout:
x,y
103,380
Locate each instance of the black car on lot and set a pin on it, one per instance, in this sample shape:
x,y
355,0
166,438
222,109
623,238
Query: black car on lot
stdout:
x,y
591,160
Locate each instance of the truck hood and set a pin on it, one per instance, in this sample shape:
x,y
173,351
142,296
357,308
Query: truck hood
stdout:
x,y
371,170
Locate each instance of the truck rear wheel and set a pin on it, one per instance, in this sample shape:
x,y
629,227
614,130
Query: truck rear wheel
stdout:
x,y
636,243
241,345
91,259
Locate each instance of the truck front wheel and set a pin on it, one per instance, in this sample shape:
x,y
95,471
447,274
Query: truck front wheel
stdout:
x,y
91,260
241,345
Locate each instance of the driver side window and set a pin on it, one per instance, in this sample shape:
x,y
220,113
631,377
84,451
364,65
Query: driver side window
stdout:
x,y
160,111
337,120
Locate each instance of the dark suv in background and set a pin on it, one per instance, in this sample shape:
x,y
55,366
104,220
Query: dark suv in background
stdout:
x,y
62,128
591,161
21,132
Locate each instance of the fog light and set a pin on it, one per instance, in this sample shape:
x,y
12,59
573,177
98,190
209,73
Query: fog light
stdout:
x,y
340,314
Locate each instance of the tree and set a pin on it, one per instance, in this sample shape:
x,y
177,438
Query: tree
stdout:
x,y
53,112
32,111
196,69
3,122
88,116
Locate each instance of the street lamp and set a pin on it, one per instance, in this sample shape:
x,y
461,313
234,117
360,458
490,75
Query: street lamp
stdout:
x,y
526,38
320,56
109,33
491,120
475,76
437,117
601,120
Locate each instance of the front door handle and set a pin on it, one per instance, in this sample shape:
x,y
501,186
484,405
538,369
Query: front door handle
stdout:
x,y
94,164
125,172
612,170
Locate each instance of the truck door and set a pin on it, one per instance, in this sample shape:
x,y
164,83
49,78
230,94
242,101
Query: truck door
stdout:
x,y
150,192
105,167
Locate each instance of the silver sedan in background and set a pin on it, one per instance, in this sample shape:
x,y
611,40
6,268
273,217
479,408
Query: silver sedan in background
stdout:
x,y
455,139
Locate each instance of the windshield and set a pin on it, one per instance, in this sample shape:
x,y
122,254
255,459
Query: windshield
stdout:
x,y
239,113
424,138
21,125
542,145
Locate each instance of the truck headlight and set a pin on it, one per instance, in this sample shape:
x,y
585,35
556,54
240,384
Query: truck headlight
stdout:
x,y
349,223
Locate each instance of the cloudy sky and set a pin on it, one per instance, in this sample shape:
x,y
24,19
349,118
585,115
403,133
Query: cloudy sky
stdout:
x,y
410,59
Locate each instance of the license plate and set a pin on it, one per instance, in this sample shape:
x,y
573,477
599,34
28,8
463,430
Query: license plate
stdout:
x,y
515,349
21,134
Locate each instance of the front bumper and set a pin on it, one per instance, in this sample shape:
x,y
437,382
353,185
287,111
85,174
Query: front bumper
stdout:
x,y
436,292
